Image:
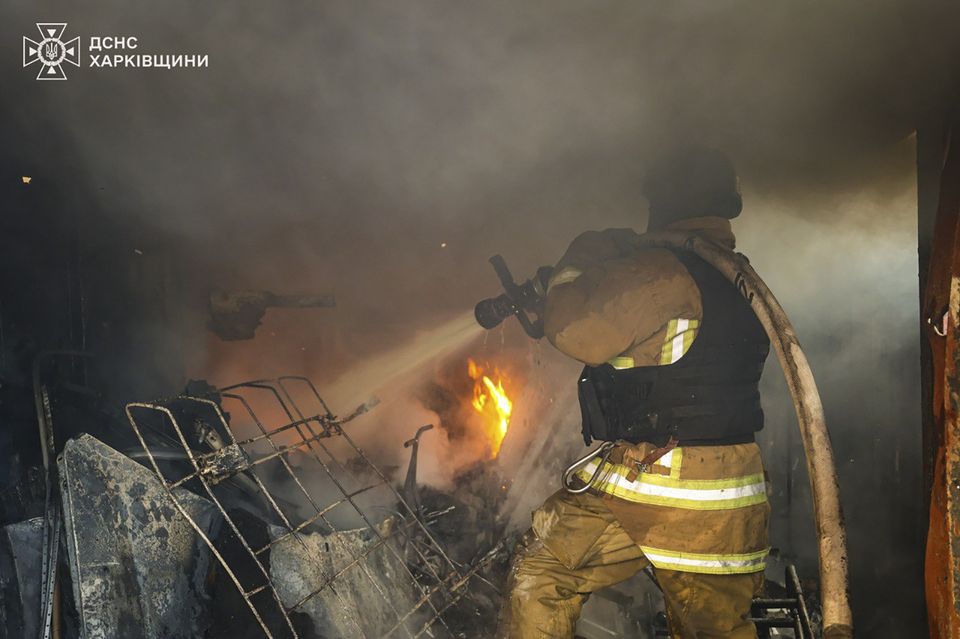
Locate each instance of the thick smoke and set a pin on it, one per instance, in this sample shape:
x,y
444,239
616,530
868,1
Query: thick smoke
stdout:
x,y
337,146
383,151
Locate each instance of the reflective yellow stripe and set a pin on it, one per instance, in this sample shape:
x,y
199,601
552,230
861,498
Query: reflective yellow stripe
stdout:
x,y
671,460
690,494
638,497
563,276
720,564
621,362
666,352
622,470
675,461
678,339
690,333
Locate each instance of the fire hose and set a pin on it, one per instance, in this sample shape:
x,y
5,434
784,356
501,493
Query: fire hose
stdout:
x,y
831,533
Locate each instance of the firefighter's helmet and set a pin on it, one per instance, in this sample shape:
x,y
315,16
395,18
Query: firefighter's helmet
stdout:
x,y
692,181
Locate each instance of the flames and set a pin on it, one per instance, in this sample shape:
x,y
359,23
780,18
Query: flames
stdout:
x,y
491,401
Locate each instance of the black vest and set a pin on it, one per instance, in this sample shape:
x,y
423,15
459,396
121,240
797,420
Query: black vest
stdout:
x,y
710,396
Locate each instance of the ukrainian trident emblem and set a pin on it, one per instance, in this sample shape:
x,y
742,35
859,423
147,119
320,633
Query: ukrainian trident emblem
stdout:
x,y
51,51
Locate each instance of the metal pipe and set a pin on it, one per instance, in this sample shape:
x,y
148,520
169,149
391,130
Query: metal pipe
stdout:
x,y
831,533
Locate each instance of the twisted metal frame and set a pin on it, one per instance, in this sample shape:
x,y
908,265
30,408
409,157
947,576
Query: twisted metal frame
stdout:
x,y
435,580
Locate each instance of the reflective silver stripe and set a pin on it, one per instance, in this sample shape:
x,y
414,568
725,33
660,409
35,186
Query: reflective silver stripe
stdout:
x,y
565,275
678,339
696,494
697,562
689,494
677,344
667,459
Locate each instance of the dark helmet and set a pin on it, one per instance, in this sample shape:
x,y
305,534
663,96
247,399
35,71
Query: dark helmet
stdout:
x,y
692,181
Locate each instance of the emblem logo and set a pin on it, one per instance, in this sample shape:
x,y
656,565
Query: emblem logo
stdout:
x,y
51,51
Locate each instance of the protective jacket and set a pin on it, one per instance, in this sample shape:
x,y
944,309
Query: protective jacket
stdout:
x,y
673,353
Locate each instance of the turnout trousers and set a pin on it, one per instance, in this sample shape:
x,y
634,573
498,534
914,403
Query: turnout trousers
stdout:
x,y
577,546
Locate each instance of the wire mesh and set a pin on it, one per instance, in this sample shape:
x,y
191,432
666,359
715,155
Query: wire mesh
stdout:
x,y
298,449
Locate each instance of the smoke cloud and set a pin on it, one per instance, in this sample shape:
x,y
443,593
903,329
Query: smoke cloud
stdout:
x,y
383,151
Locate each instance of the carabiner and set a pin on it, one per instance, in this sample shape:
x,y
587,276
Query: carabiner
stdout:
x,y
604,449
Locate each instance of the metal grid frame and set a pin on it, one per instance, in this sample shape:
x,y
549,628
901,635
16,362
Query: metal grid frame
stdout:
x,y
430,572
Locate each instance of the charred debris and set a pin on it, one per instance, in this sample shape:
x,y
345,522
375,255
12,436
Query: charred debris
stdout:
x,y
165,519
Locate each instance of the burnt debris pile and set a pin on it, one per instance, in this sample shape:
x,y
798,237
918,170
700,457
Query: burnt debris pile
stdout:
x,y
245,511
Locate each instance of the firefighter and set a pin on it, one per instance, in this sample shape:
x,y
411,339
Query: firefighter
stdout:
x,y
673,356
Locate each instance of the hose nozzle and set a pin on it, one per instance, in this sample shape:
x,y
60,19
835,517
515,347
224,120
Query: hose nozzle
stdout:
x,y
491,312
518,299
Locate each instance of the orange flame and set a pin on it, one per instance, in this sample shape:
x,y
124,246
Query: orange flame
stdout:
x,y
491,401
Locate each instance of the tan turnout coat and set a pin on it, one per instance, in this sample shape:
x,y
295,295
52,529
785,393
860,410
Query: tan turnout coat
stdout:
x,y
697,509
